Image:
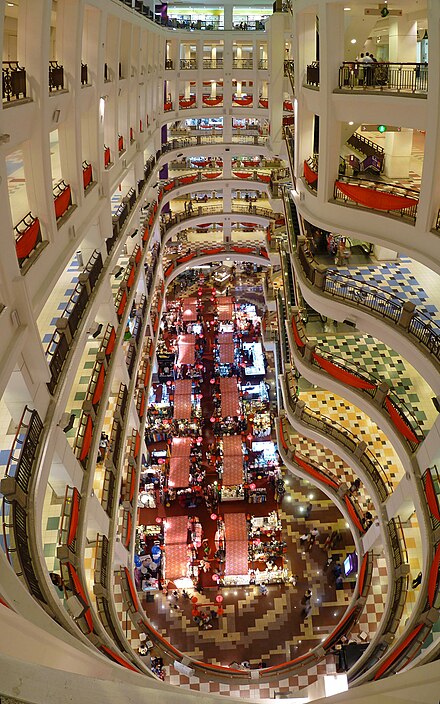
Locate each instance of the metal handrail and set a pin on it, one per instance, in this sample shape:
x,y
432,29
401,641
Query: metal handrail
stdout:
x,y
384,75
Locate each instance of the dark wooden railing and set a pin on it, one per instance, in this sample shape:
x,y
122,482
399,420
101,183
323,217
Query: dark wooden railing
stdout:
x,y
213,63
56,76
60,344
242,63
312,74
384,76
378,187
27,238
84,74
186,64
13,81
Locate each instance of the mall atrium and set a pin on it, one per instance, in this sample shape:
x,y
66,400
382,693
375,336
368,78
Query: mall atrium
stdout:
x,y
220,351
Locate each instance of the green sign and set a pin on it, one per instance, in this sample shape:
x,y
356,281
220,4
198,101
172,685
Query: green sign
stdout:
x,y
381,128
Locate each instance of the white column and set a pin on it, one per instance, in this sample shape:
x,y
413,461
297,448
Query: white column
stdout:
x,y
227,10
398,148
402,39
276,66
331,23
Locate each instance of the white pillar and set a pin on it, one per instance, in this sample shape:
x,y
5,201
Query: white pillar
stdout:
x,y
402,40
398,147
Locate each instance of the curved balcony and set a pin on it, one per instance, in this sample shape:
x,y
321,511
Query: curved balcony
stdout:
x,y
389,198
61,342
400,417
398,315
28,240
13,82
384,77
318,427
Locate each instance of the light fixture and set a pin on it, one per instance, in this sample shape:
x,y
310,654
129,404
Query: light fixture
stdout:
x,y
351,122
347,9
352,41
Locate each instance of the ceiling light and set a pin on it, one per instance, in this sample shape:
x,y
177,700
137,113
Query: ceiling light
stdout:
x,y
351,123
352,41
347,9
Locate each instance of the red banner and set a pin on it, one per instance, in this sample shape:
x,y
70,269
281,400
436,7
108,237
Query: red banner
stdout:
x,y
310,175
147,373
169,186
212,101
87,439
288,105
169,270
215,250
187,103
120,144
342,375
362,573
168,106
27,241
117,658
142,405
130,279
74,516
184,180
242,250
185,258
110,343
400,423
87,176
433,577
315,472
106,156
122,304
131,589
99,386
62,202
281,433
264,103
298,340
353,515
212,174
243,101
264,178
242,174
372,198
398,651
80,591
431,495
128,534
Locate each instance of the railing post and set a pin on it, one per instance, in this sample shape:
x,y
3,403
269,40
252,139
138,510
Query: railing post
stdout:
x,y
343,490
382,392
87,407
101,357
360,449
299,409
402,571
12,491
309,350
62,328
320,276
406,314
84,281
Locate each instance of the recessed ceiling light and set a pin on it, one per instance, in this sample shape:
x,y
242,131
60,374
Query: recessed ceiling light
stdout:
x,y
353,41
351,123
347,9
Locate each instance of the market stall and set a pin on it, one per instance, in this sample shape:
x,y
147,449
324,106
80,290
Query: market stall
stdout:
x,y
225,308
186,344
189,309
182,398
226,348
254,359
230,401
236,544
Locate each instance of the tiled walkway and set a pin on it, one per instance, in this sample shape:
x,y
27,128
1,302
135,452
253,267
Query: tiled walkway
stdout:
x,y
57,301
384,363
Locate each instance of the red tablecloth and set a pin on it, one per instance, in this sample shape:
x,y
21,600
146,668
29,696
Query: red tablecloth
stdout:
x,y
176,562
236,558
182,407
235,528
176,530
182,387
232,470
236,544
232,445
179,472
189,312
226,343
181,447
229,397
186,349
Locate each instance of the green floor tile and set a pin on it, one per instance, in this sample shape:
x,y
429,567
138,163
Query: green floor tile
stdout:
x,y
53,523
